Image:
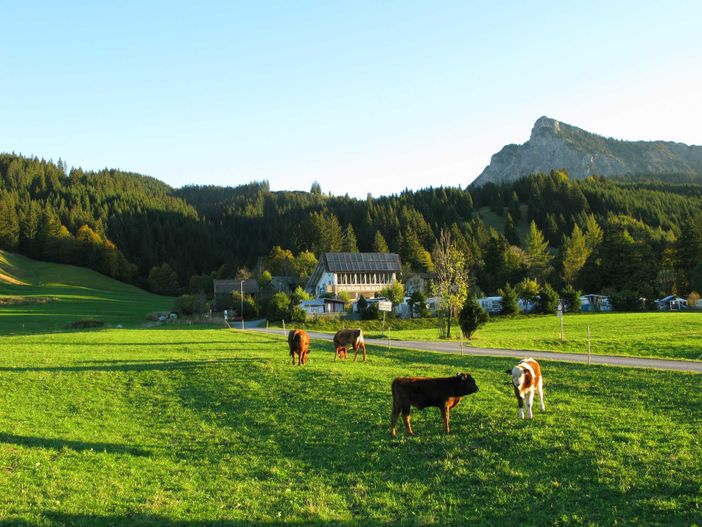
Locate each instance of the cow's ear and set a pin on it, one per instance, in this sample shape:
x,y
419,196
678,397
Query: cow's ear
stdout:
x,y
461,376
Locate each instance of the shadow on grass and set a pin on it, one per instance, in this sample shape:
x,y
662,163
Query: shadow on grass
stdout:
x,y
56,519
127,365
78,446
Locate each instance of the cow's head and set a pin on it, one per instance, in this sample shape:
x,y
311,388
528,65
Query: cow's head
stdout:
x,y
466,384
519,376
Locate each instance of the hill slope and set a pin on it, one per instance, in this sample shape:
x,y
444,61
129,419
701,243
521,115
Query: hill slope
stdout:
x,y
36,296
554,145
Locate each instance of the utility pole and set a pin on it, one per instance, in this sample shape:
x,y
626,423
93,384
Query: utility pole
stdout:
x,y
241,295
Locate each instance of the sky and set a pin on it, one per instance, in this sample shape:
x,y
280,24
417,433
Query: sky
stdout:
x,y
363,97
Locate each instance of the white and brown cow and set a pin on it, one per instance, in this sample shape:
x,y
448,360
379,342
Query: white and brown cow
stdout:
x,y
349,338
526,378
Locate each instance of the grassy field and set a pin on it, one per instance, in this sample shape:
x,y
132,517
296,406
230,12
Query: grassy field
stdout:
x,y
657,335
214,427
42,296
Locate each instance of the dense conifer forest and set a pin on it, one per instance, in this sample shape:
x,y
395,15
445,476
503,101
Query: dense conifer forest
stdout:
x,y
633,237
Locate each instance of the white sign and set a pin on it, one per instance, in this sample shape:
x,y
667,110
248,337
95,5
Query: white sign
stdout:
x,y
560,310
384,305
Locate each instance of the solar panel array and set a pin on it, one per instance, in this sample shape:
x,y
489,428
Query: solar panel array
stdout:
x,y
357,262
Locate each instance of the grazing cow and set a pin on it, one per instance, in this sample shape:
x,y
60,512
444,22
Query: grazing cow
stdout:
x,y
299,342
349,337
526,378
420,392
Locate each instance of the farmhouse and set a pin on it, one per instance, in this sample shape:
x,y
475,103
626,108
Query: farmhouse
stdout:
x,y
223,290
592,303
354,273
672,303
320,306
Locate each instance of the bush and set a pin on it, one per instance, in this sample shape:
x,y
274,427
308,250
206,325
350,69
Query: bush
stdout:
x,y
251,309
279,306
187,305
547,303
298,315
472,317
371,312
571,298
509,301
626,301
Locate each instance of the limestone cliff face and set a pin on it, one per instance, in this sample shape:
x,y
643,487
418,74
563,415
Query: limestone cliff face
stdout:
x,y
554,145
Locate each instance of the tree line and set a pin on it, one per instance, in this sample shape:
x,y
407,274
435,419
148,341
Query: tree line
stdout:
x,y
629,237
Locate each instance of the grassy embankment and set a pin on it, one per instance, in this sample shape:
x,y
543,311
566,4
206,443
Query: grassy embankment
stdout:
x,y
656,335
42,296
213,427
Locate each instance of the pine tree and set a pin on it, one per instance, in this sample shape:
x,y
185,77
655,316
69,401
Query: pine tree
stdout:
x,y
349,243
575,252
538,258
379,243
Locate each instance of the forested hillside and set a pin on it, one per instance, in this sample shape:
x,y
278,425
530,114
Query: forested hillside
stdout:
x,y
637,236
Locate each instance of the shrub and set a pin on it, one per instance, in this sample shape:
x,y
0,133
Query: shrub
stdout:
x,y
547,303
472,317
509,301
298,315
626,301
571,298
187,305
279,306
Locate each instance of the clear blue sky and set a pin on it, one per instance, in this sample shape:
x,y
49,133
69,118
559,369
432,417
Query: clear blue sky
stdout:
x,y
363,97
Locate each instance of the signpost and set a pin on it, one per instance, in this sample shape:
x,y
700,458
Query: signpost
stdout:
x,y
385,306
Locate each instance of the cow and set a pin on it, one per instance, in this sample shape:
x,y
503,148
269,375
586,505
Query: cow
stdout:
x,y
349,337
299,342
526,379
420,392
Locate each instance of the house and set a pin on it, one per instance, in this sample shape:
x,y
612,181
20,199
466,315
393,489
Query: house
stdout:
x,y
491,304
223,290
593,303
354,273
672,303
320,306
416,282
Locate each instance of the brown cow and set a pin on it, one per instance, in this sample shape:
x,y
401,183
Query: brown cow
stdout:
x,y
420,392
349,337
299,342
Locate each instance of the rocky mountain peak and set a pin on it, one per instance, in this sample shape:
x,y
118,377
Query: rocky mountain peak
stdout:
x,y
554,145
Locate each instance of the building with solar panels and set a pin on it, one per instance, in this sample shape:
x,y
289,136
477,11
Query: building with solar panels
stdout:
x,y
355,273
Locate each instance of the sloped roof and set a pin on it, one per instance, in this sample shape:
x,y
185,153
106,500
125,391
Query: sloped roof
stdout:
x,y
361,262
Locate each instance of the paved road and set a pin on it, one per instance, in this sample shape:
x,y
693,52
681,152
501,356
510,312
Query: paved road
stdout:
x,y
454,347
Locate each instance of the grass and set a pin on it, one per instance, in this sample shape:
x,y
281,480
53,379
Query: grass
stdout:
x,y
213,427
656,335
42,296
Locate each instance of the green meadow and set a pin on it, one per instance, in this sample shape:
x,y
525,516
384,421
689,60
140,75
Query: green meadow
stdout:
x,y
656,335
199,427
43,296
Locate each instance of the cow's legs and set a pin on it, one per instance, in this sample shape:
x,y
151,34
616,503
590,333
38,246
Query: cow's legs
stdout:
x,y
541,393
355,352
393,418
292,354
406,418
446,414
530,403
364,352
520,401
